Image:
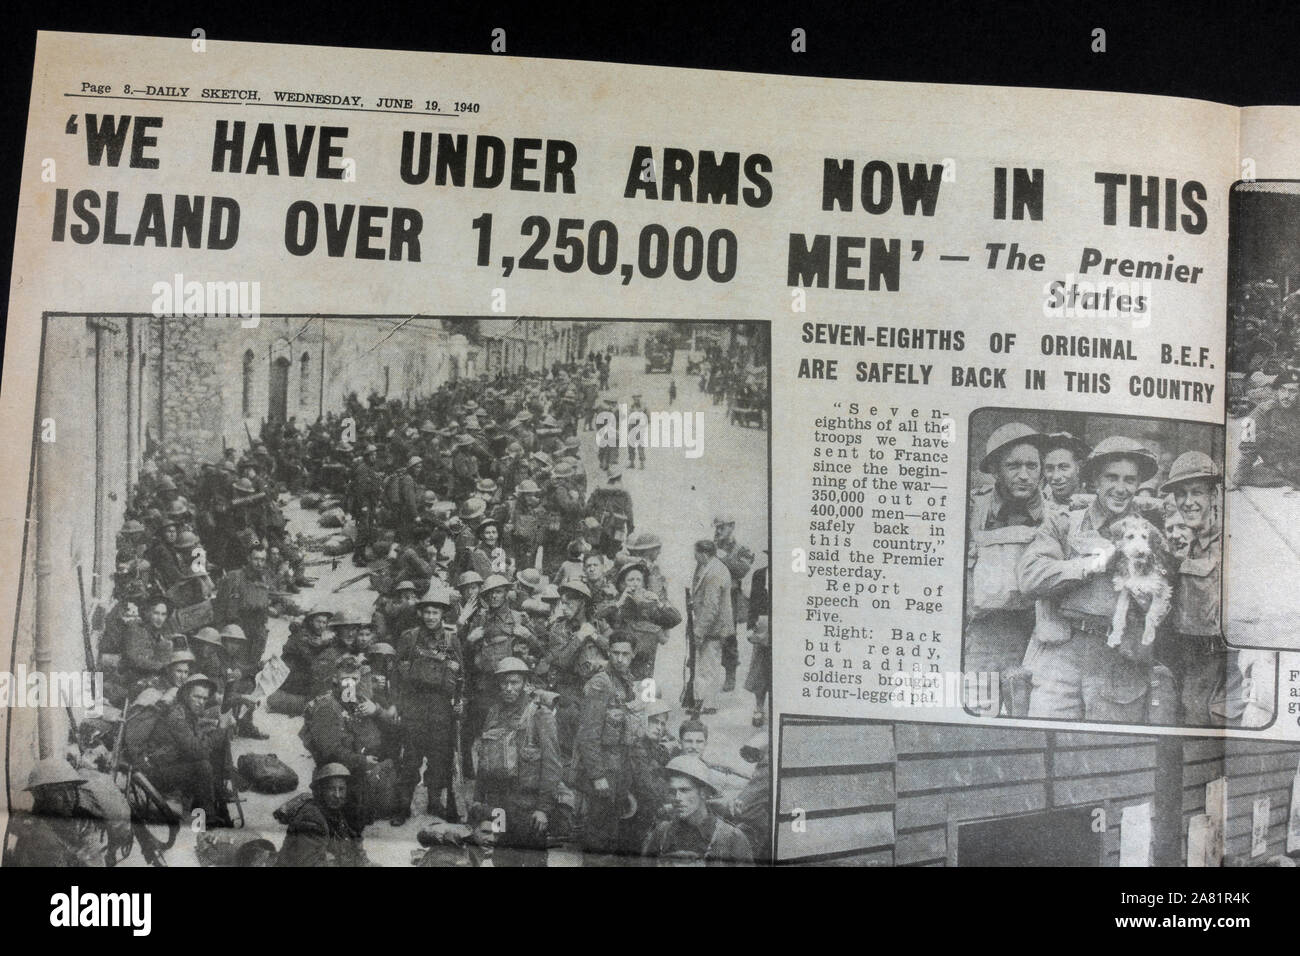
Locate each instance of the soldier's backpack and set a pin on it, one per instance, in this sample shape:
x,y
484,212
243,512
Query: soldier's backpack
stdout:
x,y
141,719
286,811
267,773
496,752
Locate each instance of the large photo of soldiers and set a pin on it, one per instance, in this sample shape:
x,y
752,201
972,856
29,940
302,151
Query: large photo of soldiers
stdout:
x,y
1263,475
1094,575
451,625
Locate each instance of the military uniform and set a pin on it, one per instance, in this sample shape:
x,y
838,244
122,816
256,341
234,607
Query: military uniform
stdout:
x,y
317,836
430,669
244,598
999,618
185,752
703,841
534,788
607,731
1076,676
1273,458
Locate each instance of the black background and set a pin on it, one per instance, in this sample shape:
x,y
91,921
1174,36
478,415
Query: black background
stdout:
x,y
1239,53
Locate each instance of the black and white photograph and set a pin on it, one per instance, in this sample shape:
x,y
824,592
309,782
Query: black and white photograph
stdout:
x,y
1263,479
375,590
1094,575
877,793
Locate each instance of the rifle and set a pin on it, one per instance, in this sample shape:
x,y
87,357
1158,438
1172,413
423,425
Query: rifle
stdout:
x,y
85,621
249,434
351,581
688,700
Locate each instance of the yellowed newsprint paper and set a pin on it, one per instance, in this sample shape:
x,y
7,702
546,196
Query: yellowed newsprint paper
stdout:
x,y
461,460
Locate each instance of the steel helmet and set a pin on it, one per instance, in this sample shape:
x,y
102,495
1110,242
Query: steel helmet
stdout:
x,y
494,582
512,665
1117,446
52,772
692,767
1004,438
329,770
1191,466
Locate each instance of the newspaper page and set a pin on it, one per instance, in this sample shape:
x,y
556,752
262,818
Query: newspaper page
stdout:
x,y
456,460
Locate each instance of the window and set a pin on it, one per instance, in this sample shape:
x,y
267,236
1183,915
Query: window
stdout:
x,y
248,383
304,381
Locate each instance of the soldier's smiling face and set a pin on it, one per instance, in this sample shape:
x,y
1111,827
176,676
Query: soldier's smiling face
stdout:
x,y
431,615
490,535
1287,394
1019,472
1194,499
1061,472
1117,483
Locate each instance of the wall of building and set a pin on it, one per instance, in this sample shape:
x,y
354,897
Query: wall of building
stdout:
x,y
213,378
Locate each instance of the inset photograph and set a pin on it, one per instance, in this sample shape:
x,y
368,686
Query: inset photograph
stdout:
x,y
1094,575
1263,479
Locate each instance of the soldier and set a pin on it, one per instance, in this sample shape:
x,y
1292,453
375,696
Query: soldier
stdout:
x,y
636,444
1003,520
365,487
402,499
1076,675
415,562
607,731
1195,650
739,560
56,832
311,655
714,622
517,766
345,727
528,526
244,598
611,505
1270,439
430,673
319,832
352,632
647,546
395,613
146,648
1062,456
188,749
695,836
641,613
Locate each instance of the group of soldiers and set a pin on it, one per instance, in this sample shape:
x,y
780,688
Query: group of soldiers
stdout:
x,y
513,640
1045,576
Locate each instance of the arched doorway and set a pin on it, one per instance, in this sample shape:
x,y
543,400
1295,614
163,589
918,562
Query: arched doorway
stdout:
x,y
278,406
